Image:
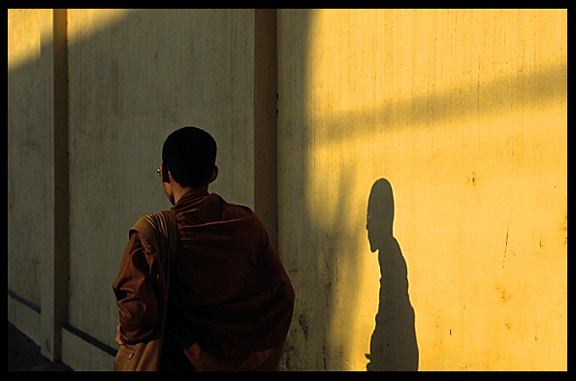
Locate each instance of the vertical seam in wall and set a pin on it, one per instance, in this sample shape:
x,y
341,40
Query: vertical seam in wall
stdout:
x,y
61,177
265,120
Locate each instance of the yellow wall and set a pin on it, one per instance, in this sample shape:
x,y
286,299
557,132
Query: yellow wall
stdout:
x,y
464,113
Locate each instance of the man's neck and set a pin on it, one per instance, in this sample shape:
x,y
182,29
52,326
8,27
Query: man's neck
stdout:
x,y
179,191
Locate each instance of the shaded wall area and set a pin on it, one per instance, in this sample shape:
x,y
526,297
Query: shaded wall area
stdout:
x,y
92,96
30,166
130,85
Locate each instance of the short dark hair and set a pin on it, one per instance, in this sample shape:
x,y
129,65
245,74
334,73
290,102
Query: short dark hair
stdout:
x,y
190,155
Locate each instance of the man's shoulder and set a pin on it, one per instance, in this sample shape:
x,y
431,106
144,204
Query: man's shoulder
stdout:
x,y
232,211
232,207
154,220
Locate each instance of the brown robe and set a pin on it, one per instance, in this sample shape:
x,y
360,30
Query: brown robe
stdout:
x,y
230,302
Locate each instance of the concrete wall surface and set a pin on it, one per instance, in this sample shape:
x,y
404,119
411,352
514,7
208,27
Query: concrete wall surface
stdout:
x,y
130,78
133,82
410,164
426,148
30,164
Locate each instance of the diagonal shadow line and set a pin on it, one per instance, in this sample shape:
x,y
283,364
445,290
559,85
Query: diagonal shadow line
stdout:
x,y
478,99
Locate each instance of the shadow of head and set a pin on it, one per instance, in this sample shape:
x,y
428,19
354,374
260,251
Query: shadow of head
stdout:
x,y
380,216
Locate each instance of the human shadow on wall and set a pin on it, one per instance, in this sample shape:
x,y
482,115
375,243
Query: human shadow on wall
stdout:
x,y
393,345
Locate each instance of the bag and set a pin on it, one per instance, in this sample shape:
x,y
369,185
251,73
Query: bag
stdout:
x,y
139,357
161,230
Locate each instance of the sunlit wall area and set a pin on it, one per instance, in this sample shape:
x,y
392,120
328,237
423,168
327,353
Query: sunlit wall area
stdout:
x,y
463,114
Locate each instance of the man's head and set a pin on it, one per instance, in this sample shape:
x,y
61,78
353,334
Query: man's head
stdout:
x,y
188,162
189,154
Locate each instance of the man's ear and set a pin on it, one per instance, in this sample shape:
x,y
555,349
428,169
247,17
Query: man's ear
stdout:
x,y
164,173
214,175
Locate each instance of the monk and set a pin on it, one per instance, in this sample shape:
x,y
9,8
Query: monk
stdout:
x,y
230,301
